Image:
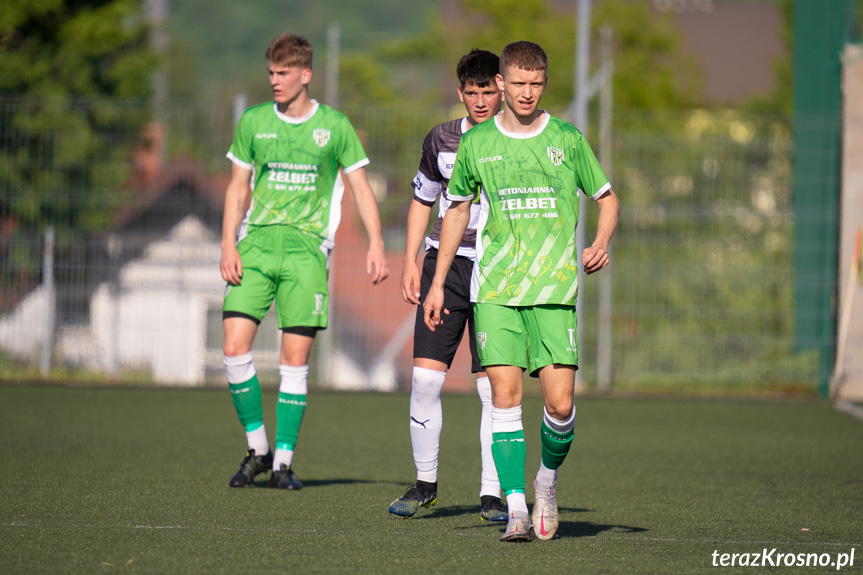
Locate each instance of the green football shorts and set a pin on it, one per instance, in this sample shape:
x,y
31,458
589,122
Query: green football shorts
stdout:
x,y
529,337
283,264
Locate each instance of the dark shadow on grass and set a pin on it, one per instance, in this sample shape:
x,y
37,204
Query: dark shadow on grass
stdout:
x,y
265,483
439,512
587,529
566,530
334,481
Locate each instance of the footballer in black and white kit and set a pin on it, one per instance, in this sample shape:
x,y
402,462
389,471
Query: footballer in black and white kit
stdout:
x,y
434,350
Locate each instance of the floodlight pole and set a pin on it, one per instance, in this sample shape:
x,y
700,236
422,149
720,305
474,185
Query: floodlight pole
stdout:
x,y
585,89
157,13
326,345
582,61
604,343
331,89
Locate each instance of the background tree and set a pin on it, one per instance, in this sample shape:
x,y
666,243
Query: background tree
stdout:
x,y
649,68
74,78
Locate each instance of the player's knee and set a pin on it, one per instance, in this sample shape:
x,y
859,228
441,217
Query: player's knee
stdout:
x,y
427,384
233,349
560,410
503,400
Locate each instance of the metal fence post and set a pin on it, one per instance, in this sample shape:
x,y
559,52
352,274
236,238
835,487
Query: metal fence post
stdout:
x,y
49,300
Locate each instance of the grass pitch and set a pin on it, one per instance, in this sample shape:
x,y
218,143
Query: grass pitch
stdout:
x,y
111,480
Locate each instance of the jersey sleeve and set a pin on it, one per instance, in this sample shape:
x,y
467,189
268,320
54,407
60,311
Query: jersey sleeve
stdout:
x,y
240,151
590,177
463,183
351,155
429,182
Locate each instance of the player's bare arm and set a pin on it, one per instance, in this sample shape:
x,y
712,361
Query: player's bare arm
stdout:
x,y
418,216
454,225
377,265
595,257
235,207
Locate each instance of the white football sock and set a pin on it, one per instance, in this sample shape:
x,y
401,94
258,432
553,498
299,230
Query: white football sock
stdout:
x,y
426,420
257,440
489,483
516,502
280,456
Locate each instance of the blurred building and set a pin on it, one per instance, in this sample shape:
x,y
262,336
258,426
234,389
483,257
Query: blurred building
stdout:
x,y
736,43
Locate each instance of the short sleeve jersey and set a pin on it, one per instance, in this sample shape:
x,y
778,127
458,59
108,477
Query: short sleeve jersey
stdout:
x,y
295,164
527,186
436,164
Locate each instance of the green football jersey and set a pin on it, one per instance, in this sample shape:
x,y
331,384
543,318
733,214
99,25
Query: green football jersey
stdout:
x,y
295,164
527,186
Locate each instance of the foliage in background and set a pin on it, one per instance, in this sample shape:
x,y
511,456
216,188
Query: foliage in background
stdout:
x,y
650,71
217,48
707,226
68,73
404,54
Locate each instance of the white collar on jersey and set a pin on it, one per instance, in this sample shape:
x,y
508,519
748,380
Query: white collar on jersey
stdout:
x,y
523,135
292,119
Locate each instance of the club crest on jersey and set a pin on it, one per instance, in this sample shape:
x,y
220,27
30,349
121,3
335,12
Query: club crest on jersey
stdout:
x,y
480,339
555,155
321,137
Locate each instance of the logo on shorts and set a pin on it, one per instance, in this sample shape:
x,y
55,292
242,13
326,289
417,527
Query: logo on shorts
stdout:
x,y
480,339
319,304
555,155
227,289
321,137
573,340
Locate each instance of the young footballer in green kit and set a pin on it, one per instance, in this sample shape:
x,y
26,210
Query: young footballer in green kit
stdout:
x,y
291,151
525,169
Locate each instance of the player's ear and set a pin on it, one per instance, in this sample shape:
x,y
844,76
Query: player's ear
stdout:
x,y
306,76
499,81
460,93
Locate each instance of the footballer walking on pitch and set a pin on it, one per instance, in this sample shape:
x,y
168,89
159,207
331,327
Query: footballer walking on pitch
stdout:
x,y
434,351
291,151
525,168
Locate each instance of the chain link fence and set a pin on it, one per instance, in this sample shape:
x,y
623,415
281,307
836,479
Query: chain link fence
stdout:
x,y
701,279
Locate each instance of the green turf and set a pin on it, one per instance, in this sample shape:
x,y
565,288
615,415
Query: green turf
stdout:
x,y
135,481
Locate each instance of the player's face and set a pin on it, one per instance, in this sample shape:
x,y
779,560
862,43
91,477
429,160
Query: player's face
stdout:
x,y
522,89
288,82
480,103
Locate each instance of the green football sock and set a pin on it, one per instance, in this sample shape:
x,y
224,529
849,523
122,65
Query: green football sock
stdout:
x,y
555,446
290,410
247,400
510,453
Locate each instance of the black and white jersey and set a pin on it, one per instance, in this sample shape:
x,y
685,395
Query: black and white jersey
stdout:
x,y
436,164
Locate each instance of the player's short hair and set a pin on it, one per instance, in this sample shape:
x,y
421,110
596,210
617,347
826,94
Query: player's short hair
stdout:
x,y
477,67
289,50
524,55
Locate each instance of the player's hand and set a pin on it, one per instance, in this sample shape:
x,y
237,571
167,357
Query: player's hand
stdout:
x,y
411,283
377,264
231,266
433,307
594,259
